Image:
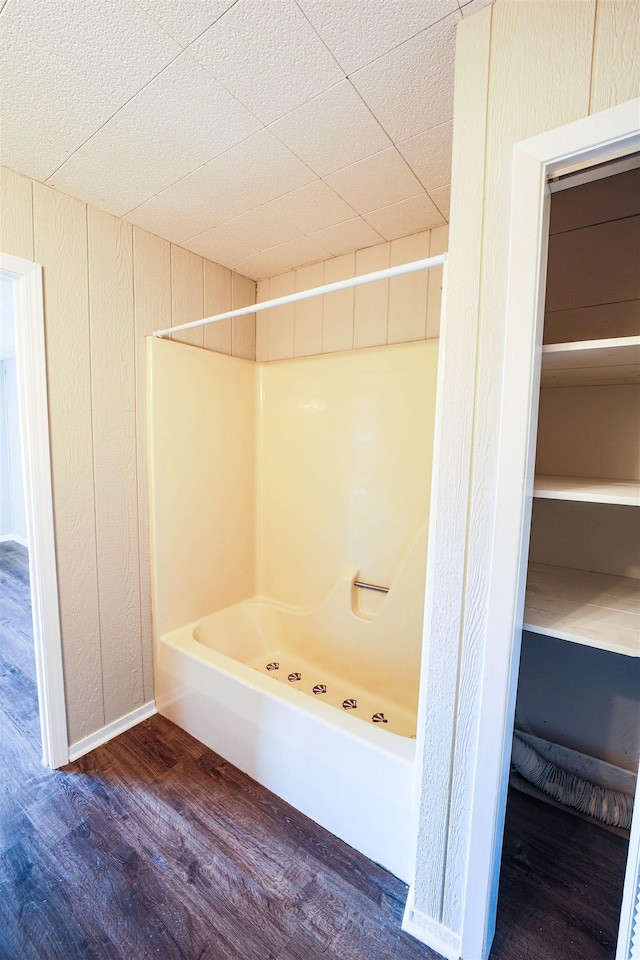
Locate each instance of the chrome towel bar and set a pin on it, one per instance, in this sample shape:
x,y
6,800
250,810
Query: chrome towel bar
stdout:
x,y
370,586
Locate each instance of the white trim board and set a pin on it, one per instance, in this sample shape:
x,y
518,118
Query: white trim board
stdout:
x,y
132,719
34,431
427,930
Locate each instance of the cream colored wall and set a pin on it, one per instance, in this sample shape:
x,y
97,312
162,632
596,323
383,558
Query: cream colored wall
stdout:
x,y
522,68
390,311
202,458
345,476
106,285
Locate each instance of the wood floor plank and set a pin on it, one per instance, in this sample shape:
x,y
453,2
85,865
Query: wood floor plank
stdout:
x,y
153,846
560,885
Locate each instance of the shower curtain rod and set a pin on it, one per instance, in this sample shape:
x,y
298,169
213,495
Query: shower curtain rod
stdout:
x,y
397,271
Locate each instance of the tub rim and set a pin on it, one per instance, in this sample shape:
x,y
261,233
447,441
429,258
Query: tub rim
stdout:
x,y
378,738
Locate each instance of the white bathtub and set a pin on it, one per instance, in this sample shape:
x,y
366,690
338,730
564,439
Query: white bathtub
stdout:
x,y
242,681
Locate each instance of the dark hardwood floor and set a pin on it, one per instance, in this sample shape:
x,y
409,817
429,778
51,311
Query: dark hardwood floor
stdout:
x,y
153,846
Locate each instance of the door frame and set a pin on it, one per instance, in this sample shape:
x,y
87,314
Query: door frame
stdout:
x,y
610,134
34,433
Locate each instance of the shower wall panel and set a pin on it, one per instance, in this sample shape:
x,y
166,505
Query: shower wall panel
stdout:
x,y
346,447
202,470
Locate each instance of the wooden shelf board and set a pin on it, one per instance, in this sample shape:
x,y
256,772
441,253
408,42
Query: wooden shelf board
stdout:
x,y
594,609
588,490
615,360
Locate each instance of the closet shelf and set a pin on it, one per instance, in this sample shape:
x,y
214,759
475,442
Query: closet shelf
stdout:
x,y
587,490
615,360
595,609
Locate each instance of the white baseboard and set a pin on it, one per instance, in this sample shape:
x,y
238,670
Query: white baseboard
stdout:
x,y
430,932
15,537
112,730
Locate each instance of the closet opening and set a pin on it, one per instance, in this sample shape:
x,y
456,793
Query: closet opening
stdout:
x,y
576,732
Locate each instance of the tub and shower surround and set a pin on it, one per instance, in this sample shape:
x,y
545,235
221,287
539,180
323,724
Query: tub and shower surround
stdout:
x,y
275,487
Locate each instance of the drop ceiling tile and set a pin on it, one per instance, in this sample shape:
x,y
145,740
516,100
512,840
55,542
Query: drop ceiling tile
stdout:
x,y
210,195
221,244
253,232
407,217
312,207
429,155
116,190
258,170
264,229
268,55
359,31
58,104
298,253
332,131
189,105
27,147
114,46
410,89
259,266
159,217
186,20
347,237
133,147
376,182
441,196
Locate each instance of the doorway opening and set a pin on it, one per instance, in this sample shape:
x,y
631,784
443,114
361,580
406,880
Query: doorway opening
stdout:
x,y
31,571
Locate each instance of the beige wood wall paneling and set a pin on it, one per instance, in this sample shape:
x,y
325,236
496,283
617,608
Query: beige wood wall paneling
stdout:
x,y
449,510
187,294
537,50
616,64
601,537
610,198
371,306
263,292
590,431
338,308
593,322
16,214
243,329
280,320
391,311
407,317
115,459
438,243
60,234
596,264
152,311
307,336
217,299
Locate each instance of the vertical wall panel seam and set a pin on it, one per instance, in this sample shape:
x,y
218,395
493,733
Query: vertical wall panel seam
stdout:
x,y
93,462
141,638
137,434
592,74
171,285
33,236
